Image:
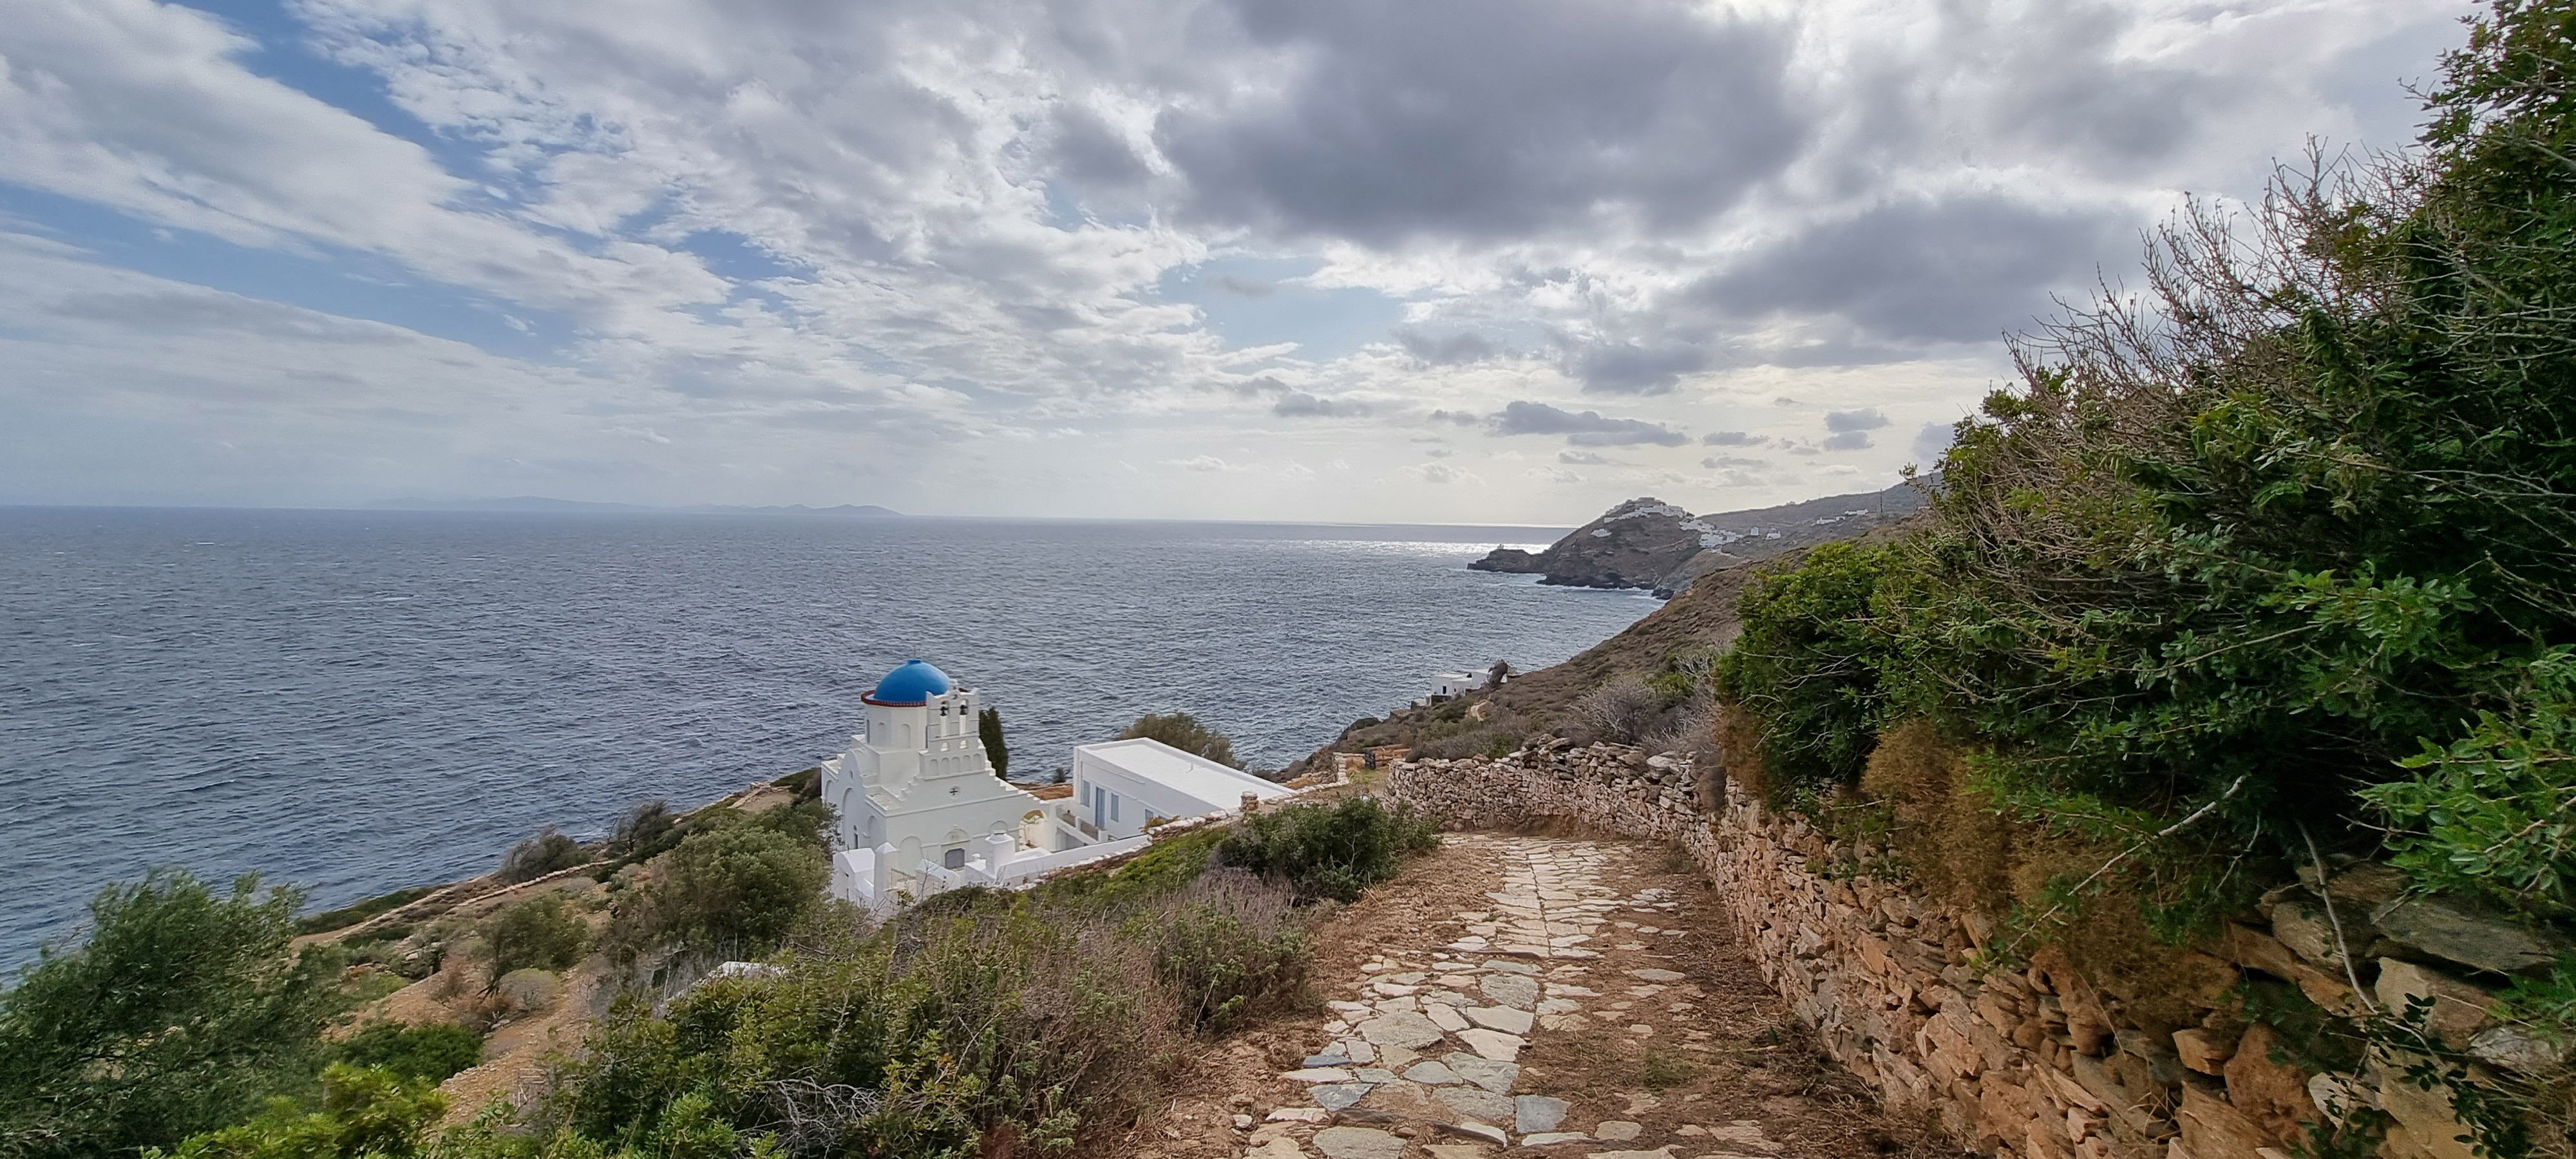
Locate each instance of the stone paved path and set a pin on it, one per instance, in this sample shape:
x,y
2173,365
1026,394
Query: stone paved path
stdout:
x,y
1570,1013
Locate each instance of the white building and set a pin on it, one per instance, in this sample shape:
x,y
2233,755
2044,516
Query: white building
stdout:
x,y
915,792
1121,788
920,810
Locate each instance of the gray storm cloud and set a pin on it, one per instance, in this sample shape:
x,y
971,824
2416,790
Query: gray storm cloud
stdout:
x,y
1585,428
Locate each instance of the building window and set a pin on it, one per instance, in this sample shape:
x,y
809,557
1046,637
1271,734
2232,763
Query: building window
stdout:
x,y
1113,806
953,859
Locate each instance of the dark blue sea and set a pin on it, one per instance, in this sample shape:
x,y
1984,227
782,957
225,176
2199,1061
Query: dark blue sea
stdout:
x,y
358,701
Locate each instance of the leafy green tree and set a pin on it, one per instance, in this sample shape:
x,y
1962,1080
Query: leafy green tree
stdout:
x,y
541,933
988,728
181,1011
1184,732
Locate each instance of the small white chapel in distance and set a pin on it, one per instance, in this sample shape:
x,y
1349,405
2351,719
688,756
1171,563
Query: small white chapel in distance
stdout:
x,y
920,809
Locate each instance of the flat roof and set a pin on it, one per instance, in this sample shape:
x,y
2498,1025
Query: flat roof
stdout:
x,y
1203,779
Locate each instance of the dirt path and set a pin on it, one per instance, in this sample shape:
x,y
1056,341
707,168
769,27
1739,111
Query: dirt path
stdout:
x,y
1538,996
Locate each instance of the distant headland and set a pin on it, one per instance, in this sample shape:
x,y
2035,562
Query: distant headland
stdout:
x,y
542,503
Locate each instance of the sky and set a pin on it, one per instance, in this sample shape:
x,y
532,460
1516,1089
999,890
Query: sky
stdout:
x,y
1472,261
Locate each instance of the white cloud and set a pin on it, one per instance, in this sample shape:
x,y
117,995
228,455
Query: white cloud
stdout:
x,y
747,252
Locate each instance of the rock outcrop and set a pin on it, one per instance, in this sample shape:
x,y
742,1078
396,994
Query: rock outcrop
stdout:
x,y
1648,543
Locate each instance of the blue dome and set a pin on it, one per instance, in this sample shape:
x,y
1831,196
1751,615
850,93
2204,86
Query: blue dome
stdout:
x,y
913,683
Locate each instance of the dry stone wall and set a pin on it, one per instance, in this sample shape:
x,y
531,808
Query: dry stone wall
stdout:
x,y
2038,1061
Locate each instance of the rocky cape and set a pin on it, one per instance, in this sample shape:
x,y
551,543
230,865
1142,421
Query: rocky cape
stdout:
x,y
1648,543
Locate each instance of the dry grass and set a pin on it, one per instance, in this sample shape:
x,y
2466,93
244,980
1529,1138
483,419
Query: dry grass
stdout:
x,y
1956,847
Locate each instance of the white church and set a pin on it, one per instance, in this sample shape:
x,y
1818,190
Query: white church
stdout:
x,y
921,810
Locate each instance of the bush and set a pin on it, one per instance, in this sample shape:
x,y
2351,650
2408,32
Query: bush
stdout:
x,y
540,933
372,1113
641,832
1619,711
195,997
1184,732
1230,947
1809,667
1326,853
2281,550
549,851
527,991
917,1040
425,1053
738,889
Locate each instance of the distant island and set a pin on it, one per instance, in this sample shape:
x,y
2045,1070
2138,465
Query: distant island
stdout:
x,y
542,503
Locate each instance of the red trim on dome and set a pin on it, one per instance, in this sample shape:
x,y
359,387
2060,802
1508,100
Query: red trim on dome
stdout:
x,y
870,697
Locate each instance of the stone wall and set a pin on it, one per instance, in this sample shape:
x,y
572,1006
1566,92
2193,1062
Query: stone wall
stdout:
x,y
2037,1061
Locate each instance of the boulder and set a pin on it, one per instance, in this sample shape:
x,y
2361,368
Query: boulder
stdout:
x,y
2515,1047
2458,1011
2211,1129
2445,929
2204,1051
2273,1094
2426,1115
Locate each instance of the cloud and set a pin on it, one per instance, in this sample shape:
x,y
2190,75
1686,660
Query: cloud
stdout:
x,y
1635,369
1585,429
1440,473
1453,350
1557,475
1581,458
1728,462
1854,420
1485,119
1089,153
1931,443
1924,268
449,245
1299,404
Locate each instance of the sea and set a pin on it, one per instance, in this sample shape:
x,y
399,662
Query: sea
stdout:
x,y
351,702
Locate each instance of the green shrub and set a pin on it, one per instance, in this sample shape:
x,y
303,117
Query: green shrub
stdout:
x,y
541,933
913,1041
1326,852
1230,947
548,851
1809,666
364,1113
427,1053
738,889
644,831
2283,552
1184,732
179,1013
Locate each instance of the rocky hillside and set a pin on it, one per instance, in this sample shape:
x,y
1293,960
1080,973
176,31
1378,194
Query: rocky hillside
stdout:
x,y
1699,619
1648,543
